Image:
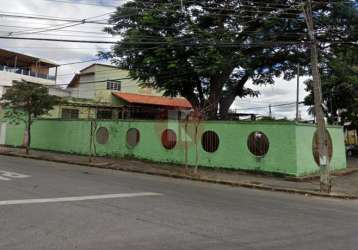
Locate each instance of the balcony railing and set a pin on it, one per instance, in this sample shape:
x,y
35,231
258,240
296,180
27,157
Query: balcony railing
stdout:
x,y
26,72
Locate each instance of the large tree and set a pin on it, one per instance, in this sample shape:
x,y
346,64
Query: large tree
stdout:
x,y
339,87
24,101
207,51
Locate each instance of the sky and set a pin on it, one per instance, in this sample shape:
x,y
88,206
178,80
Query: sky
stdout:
x,y
281,92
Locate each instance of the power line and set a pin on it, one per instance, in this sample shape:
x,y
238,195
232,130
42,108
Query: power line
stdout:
x,y
195,44
56,40
163,76
39,17
58,27
148,38
98,81
79,62
81,3
49,18
272,106
62,30
66,35
133,43
97,59
246,3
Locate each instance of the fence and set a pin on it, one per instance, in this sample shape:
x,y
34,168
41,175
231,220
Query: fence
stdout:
x,y
278,147
26,72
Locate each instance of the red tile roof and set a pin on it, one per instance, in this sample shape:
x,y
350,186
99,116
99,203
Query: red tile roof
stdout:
x,y
154,100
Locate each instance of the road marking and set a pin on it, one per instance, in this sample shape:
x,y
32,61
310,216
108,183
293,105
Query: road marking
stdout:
x,y
77,198
8,176
4,179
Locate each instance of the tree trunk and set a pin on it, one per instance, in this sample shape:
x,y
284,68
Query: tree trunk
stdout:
x,y
227,101
216,90
212,106
214,98
225,105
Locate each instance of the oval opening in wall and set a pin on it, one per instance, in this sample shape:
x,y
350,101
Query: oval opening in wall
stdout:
x,y
258,144
133,137
210,141
102,135
169,139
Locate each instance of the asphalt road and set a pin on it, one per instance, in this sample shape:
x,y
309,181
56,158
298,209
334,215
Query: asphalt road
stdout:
x,y
47,205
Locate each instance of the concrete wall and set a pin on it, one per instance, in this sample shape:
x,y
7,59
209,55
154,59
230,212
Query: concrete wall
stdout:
x,y
290,150
57,91
304,141
6,79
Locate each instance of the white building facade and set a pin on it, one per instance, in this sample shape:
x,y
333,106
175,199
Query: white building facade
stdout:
x,y
16,67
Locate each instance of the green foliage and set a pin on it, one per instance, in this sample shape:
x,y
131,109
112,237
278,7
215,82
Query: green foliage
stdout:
x,y
14,116
339,86
25,99
208,51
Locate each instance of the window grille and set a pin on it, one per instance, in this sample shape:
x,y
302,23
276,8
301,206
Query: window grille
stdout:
x,y
113,85
70,113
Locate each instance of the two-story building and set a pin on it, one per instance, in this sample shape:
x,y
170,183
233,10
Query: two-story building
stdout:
x,y
115,95
16,66
98,91
99,81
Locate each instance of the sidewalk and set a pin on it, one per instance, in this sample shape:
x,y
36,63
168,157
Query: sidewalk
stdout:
x,y
345,183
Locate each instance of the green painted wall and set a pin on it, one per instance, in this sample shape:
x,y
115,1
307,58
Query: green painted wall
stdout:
x,y
15,135
305,160
290,149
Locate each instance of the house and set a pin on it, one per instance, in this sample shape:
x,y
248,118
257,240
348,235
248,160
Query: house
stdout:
x,y
99,81
16,66
110,91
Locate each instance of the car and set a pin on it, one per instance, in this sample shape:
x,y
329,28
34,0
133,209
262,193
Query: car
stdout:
x,y
352,150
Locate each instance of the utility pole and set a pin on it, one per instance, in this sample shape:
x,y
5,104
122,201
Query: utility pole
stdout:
x,y
270,111
298,92
325,180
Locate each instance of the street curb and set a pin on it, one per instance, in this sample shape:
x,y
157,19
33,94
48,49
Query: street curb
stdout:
x,y
193,178
344,172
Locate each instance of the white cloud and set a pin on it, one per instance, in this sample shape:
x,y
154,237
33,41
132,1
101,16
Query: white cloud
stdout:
x,y
56,51
282,92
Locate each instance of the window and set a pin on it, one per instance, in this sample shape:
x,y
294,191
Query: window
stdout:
x,y
114,85
133,137
315,148
210,141
104,114
70,113
258,144
169,139
102,135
